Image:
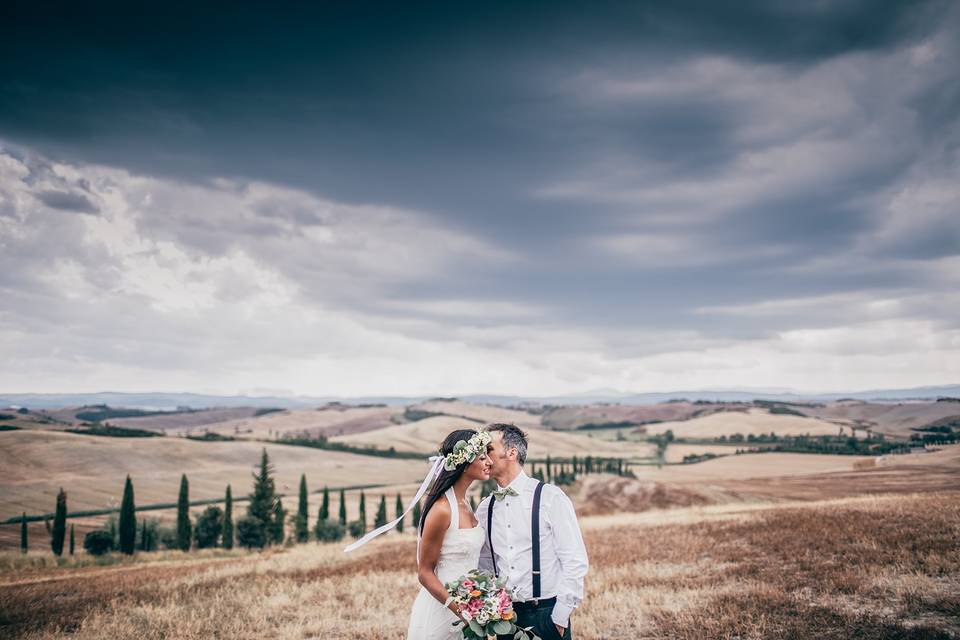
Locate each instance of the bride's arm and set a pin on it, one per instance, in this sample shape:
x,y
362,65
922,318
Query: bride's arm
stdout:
x,y
431,540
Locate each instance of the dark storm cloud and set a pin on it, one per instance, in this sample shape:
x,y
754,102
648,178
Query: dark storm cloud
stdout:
x,y
543,128
67,201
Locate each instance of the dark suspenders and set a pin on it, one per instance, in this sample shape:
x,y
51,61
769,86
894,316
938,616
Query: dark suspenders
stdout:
x,y
534,537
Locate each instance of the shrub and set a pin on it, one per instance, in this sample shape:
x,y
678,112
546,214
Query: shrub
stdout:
x,y
167,537
356,528
209,527
98,542
251,533
329,531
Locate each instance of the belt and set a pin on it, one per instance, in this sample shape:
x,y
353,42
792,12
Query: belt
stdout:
x,y
528,605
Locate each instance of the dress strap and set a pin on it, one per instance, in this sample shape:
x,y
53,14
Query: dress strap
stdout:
x,y
454,509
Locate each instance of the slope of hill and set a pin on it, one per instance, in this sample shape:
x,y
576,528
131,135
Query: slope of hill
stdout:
x,y
92,469
328,420
426,435
889,418
754,421
577,416
483,413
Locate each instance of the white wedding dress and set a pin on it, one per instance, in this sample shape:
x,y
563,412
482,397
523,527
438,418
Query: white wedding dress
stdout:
x,y
460,553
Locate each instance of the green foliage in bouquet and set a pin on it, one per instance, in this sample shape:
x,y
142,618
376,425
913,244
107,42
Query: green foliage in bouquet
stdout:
x,y
486,603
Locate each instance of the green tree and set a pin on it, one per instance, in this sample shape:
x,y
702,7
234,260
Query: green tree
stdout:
x,y
98,542
473,504
149,534
302,525
325,506
251,533
416,515
23,533
381,517
128,520
549,472
59,524
184,533
209,527
363,511
356,528
72,540
262,505
228,520
276,525
399,512
327,531
343,509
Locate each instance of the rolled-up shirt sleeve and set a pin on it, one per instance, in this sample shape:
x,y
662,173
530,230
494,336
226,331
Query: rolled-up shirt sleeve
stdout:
x,y
572,554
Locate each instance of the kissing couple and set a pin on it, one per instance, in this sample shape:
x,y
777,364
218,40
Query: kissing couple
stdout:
x,y
525,532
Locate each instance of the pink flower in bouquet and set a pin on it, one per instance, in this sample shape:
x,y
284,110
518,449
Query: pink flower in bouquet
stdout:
x,y
505,603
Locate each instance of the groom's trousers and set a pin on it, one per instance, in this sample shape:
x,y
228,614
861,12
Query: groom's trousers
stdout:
x,y
539,618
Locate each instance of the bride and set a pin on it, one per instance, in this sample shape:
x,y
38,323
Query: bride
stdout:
x,y
447,550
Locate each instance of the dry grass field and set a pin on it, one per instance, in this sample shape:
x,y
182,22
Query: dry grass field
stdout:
x,y
890,418
184,421
884,567
575,416
480,412
755,421
327,420
424,435
92,470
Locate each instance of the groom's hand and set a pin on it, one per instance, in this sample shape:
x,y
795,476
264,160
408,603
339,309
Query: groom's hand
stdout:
x,y
560,630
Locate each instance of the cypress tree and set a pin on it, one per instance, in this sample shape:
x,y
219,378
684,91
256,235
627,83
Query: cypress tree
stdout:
x,y
23,533
228,520
343,509
72,541
549,472
303,526
183,515
325,506
59,524
473,504
363,510
381,517
128,520
399,509
262,505
416,515
276,525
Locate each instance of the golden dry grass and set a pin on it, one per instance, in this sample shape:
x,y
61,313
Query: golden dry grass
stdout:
x,y
328,420
92,469
885,567
481,412
755,421
426,435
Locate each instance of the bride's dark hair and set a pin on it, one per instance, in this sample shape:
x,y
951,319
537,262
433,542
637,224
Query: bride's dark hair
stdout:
x,y
446,479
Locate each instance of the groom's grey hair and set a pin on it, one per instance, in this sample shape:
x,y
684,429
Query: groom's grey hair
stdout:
x,y
513,438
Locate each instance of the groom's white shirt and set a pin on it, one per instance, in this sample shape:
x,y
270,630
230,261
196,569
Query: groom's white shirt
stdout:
x,y
563,556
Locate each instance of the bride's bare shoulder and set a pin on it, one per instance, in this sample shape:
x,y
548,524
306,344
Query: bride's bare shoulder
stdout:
x,y
438,517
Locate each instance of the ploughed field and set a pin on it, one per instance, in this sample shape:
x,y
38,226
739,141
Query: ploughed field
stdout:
x,y
880,567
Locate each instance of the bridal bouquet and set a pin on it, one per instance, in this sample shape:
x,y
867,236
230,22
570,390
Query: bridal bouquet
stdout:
x,y
487,605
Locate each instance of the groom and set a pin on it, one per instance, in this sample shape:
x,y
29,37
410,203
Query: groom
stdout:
x,y
532,539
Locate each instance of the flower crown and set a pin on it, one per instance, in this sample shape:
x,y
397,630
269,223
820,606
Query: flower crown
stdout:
x,y
467,450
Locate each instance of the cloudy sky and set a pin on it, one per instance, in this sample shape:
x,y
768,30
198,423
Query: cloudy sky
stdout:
x,y
494,197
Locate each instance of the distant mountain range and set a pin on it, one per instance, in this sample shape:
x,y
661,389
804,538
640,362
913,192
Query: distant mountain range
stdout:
x,y
171,401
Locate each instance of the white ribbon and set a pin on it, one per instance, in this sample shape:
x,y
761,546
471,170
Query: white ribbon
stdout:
x,y
437,465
